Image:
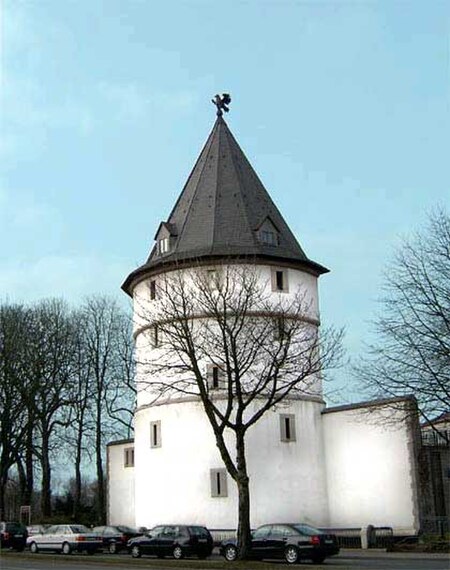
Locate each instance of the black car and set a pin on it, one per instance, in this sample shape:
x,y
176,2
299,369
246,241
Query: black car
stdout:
x,y
292,542
173,540
13,535
115,538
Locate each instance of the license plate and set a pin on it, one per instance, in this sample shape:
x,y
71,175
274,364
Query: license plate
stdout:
x,y
18,535
202,539
328,542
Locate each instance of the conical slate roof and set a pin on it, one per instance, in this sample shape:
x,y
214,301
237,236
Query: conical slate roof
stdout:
x,y
223,211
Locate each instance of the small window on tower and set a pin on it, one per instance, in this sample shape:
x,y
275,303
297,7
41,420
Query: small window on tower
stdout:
x,y
219,486
129,457
287,427
155,434
154,336
152,289
280,331
215,377
280,280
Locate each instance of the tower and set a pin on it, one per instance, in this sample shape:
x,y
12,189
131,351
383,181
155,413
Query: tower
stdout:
x,y
224,218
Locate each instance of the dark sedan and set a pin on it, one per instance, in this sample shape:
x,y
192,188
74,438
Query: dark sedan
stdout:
x,y
13,535
173,540
115,538
293,542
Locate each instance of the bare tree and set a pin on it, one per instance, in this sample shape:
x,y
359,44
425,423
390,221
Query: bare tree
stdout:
x,y
411,354
264,348
107,352
13,414
46,390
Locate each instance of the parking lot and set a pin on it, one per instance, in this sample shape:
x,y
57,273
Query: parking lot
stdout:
x,y
351,559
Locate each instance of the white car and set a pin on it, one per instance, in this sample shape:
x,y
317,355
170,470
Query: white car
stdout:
x,y
65,538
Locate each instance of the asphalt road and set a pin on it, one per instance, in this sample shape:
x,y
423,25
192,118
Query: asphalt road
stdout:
x,y
356,560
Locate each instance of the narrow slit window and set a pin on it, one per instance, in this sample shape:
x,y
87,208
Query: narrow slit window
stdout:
x,y
155,434
214,376
129,457
287,427
219,486
280,280
280,329
154,336
152,289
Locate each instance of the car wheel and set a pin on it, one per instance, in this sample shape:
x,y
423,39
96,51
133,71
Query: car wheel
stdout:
x,y
66,548
318,559
136,551
34,548
177,552
291,555
230,553
112,548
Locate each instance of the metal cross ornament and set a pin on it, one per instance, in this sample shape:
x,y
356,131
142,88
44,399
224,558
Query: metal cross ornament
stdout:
x,y
222,103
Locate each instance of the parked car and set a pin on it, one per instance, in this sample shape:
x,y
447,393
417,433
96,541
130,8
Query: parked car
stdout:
x,y
115,538
292,542
13,535
173,540
65,538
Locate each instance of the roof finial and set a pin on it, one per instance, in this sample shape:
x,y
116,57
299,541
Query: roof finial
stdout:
x,y
221,103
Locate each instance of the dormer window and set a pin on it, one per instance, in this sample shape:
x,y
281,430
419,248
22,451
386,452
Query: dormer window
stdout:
x,y
163,246
268,233
269,238
165,238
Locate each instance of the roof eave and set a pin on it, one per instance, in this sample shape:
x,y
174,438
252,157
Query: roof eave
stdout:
x,y
176,262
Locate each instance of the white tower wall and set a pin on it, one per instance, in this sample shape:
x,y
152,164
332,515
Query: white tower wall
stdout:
x,y
287,479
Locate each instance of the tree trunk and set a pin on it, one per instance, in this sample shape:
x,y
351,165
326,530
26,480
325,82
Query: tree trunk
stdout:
x,y
242,481
3,481
46,478
29,468
77,493
22,480
100,477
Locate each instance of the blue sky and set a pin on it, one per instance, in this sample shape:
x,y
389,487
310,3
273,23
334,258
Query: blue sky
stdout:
x,y
341,107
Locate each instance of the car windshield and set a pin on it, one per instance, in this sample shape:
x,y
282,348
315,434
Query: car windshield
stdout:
x,y
126,529
306,529
79,528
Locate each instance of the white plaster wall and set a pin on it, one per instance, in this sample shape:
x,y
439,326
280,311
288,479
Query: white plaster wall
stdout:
x,y
287,480
146,313
121,487
145,308
370,470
